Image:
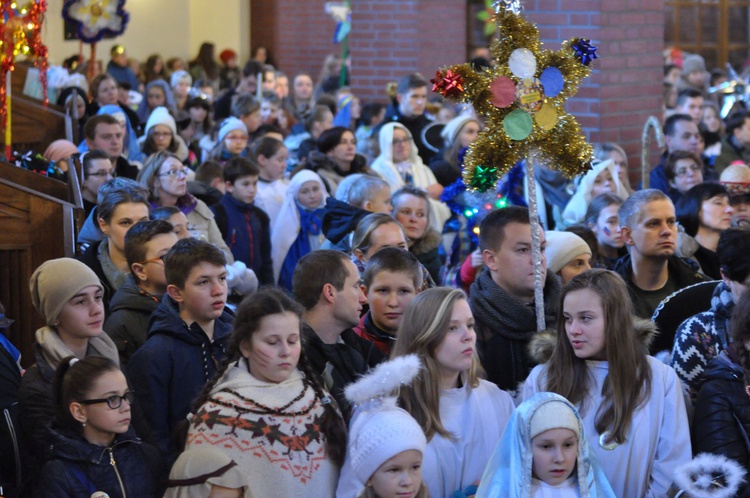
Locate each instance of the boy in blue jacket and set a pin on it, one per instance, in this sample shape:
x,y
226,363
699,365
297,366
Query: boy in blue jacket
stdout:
x,y
244,226
187,339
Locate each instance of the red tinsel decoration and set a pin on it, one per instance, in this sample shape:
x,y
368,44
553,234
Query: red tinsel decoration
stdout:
x,y
449,84
25,23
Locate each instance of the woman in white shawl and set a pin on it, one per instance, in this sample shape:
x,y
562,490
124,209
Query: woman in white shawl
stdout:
x,y
601,178
399,164
297,230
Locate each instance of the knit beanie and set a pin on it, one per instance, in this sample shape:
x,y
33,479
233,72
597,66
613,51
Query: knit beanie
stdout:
x,y
452,127
201,467
553,415
562,248
161,116
230,124
380,429
55,283
693,63
379,435
178,75
227,54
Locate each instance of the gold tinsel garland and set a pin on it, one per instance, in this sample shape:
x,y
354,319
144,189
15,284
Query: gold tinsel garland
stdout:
x,y
561,144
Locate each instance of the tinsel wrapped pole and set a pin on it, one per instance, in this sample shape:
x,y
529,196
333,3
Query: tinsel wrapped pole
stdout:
x,y
536,245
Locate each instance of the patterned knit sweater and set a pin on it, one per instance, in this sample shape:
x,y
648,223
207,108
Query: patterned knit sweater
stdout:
x,y
701,337
271,430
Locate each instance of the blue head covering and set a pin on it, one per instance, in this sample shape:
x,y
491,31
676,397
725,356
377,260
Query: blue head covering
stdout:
x,y
509,470
144,111
131,149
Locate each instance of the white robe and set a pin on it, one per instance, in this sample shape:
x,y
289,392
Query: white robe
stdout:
x,y
659,438
270,197
477,418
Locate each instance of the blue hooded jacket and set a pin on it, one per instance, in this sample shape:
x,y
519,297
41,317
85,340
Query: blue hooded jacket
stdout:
x,y
170,369
509,472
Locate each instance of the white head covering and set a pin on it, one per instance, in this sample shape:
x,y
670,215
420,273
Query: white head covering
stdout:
x,y
575,211
287,226
422,176
453,127
562,248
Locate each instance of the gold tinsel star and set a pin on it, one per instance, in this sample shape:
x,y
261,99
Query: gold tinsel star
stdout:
x,y
522,100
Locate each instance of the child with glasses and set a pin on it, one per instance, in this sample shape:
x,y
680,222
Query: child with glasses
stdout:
x,y
97,169
94,448
232,141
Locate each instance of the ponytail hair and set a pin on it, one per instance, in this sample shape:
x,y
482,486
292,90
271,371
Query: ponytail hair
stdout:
x,y
272,301
74,380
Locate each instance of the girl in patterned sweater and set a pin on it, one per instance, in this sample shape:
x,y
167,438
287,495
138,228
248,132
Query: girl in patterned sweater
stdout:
x,y
275,421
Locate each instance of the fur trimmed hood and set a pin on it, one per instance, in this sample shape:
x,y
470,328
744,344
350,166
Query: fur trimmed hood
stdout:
x,y
429,242
708,476
543,344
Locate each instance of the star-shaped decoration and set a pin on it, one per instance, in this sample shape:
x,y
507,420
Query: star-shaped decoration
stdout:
x,y
484,178
448,84
96,18
522,100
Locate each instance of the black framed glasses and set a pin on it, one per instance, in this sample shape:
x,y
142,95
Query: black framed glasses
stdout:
x,y
114,401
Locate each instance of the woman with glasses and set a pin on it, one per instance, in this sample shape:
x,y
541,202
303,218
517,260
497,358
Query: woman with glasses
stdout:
x,y
399,164
97,169
161,134
165,177
684,171
94,448
703,212
69,298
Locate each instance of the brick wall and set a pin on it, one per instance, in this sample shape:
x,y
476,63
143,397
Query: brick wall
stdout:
x,y
393,37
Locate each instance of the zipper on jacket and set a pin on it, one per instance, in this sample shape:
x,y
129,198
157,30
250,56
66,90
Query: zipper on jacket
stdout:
x,y
117,472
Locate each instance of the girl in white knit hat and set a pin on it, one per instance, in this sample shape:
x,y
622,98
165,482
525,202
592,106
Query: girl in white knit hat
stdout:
x,y
386,445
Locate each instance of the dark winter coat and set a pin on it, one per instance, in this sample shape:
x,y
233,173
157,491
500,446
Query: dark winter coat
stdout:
x,y
681,272
505,326
721,422
11,449
349,359
171,368
340,219
128,468
90,258
427,251
129,315
246,230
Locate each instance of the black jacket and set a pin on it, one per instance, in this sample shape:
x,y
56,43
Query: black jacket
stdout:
x,y
340,219
349,360
171,368
721,423
129,315
79,468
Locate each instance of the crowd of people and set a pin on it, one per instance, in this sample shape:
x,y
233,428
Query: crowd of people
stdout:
x,y
275,295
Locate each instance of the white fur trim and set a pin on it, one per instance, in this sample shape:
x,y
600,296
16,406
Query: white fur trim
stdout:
x,y
709,476
384,379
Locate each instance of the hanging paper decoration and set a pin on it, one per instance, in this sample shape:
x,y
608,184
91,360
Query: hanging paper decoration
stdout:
x,y
522,100
20,34
342,14
95,19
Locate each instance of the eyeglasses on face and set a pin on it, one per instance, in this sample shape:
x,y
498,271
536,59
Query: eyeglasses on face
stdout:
x,y
113,402
162,134
158,259
103,173
176,173
400,141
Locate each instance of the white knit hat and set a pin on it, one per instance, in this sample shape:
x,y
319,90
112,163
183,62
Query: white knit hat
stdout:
x,y
380,429
553,415
562,248
231,124
452,127
161,116
178,75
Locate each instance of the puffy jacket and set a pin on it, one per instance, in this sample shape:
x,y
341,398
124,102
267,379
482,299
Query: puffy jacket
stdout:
x,y
129,315
721,422
129,468
171,368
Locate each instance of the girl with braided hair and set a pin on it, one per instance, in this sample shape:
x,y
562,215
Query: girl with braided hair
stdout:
x,y
265,408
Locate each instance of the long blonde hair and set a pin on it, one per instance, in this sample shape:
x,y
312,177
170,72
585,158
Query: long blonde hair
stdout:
x,y
423,329
628,383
